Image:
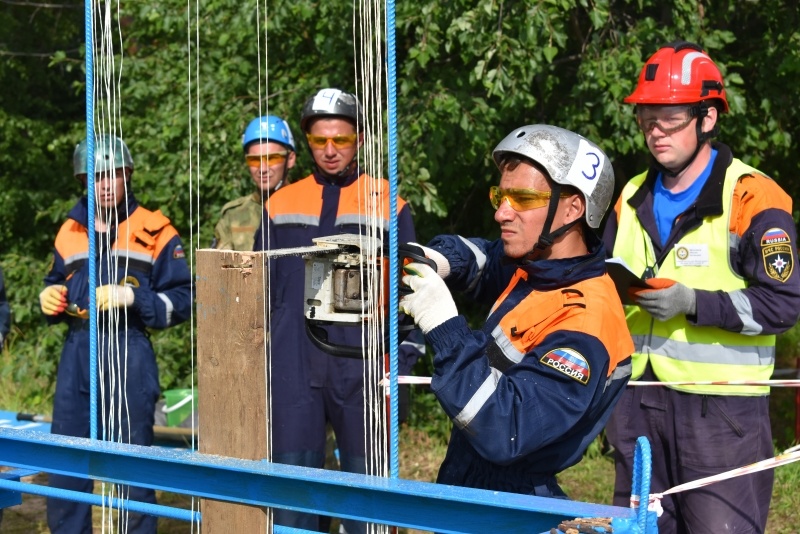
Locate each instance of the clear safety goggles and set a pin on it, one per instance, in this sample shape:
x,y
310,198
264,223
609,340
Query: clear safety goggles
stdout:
x,y
667,125
266,160
521,199
339,141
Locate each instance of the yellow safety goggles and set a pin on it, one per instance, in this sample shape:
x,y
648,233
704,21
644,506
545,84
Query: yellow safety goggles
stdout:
x,y
266,160
339,141
520,199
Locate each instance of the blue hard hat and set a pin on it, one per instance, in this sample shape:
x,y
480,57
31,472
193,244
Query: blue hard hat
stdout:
x,y
268,128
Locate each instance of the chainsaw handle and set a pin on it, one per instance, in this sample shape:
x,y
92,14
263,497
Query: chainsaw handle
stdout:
x,y
411,252
319,337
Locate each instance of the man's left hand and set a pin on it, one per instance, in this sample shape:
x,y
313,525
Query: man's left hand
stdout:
x,y
113,296
431,303
664,304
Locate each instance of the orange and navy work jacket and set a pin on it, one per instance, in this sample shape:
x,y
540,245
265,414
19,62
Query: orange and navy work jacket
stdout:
x,y
142,250
529,391
295,214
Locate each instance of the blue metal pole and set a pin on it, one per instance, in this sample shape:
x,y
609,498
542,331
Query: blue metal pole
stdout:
x,y
89,26
405,503
99,500
394,423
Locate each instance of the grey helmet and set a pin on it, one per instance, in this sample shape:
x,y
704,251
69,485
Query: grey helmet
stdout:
x,y
332,103
110,152
569,159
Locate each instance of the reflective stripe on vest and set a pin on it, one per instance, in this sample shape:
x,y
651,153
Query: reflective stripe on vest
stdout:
x,y
676,350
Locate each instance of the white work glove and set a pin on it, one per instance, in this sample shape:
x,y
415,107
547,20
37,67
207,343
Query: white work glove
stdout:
x,y
53,299
664,304
442,265
113,296
431,303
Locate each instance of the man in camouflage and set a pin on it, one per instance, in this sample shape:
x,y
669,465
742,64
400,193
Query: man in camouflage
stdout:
x,y
269,152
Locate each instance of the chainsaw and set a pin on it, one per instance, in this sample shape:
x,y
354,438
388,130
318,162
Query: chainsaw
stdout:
x,y
346,284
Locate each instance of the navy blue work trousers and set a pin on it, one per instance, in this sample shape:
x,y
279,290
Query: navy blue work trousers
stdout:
x,y
128,402
691,437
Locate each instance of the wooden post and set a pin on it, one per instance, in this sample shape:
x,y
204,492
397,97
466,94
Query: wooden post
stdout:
x,y
231,370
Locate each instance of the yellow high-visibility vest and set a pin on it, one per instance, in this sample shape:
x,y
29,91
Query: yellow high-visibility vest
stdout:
x,y
676,350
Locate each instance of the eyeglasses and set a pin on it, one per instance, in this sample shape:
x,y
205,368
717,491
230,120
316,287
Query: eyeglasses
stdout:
x,y
668,126
521,199
266,160
339,141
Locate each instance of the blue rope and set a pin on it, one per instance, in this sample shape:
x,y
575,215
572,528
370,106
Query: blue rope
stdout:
x,y
391,60
642,460
89,26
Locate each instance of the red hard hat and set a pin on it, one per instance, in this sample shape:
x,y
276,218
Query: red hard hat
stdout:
x,y
679,73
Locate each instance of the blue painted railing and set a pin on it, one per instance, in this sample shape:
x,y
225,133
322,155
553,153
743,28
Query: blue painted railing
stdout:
x,y
399,502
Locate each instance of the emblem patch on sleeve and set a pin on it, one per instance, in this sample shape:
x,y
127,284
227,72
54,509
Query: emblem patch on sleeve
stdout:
x,y
776,249
569,362
178,253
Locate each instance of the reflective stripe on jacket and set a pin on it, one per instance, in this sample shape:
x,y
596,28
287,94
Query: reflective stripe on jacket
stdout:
x,y
677,349
529,391
145,252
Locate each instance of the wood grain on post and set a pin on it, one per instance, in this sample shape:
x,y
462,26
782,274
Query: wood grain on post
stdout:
x,y
231,370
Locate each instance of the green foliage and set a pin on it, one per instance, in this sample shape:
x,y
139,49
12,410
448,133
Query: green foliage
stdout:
x,y
426,413
468,72
32,351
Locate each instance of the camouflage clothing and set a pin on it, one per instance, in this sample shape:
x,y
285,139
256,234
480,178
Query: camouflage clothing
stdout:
x,y
238,223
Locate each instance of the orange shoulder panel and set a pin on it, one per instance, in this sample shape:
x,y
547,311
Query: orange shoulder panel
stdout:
x,y
149,232
303,197
591,306
618,208
753,194
72,239
602,318
354,197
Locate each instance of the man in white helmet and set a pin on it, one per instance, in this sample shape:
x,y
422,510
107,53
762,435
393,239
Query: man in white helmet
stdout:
x,y
529,391
312,388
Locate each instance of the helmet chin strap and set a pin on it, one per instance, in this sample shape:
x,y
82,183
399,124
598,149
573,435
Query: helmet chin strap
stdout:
x,y
700,111
284,174
546,238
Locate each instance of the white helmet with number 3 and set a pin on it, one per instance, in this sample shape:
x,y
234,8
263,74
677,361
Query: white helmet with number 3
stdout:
x,y
569,159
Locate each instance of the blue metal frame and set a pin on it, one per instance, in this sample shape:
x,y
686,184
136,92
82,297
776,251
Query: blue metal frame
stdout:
x,y
391,92
90,166
398,502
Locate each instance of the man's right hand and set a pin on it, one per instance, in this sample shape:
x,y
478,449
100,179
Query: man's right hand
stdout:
x,y
53,299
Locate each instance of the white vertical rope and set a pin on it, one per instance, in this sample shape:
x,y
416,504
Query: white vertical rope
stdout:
x,y
113,352
193,101
368,54
266,280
